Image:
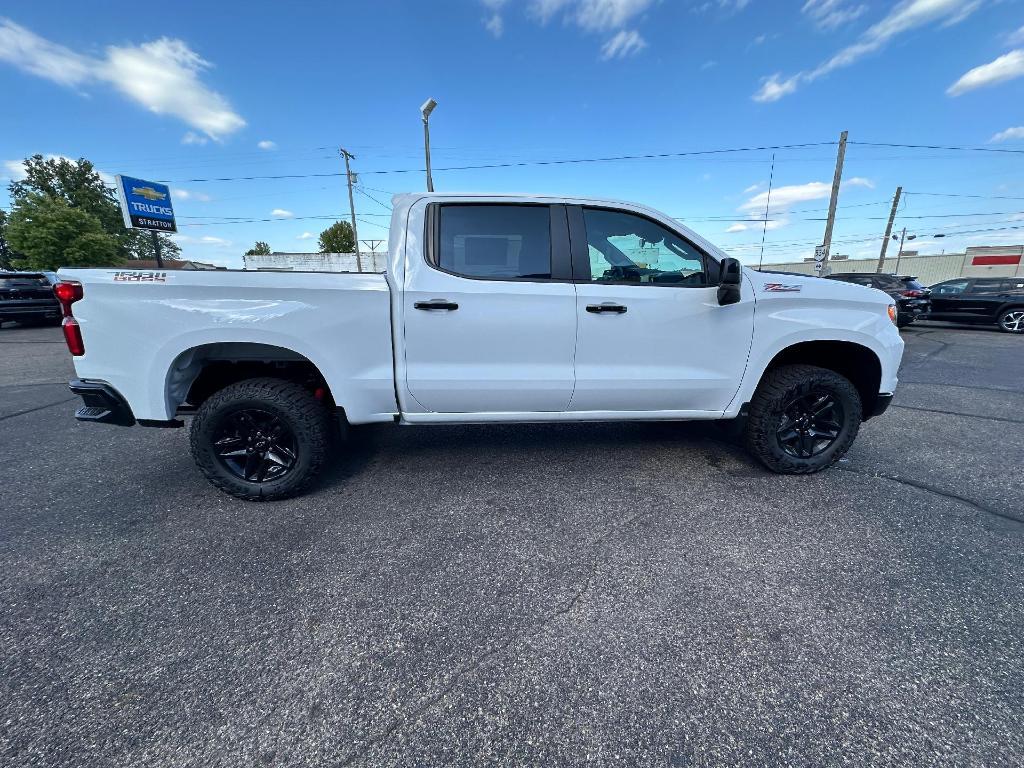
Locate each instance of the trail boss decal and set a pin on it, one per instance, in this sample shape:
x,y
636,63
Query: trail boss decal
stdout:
x,y
782,288
140,277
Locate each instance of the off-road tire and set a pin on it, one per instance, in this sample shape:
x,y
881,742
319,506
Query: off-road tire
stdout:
x,y
780,387
306,417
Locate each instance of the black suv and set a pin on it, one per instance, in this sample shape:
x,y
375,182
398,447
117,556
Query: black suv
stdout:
x,y
989,300
911,297
28,297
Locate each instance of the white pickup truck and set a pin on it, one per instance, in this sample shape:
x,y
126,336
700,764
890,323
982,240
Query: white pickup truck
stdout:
x,y
493,309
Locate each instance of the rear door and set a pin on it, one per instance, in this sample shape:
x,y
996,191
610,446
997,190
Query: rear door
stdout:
x,y
652,336
946,299
983,298
490,317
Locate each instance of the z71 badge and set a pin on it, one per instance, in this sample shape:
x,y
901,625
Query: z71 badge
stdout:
x,y
782,288
140,277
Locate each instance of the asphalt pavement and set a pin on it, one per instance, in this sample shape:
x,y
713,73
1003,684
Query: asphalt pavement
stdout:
x,y
629,594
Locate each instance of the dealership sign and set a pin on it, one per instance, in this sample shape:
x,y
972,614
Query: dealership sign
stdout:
x,y
145,204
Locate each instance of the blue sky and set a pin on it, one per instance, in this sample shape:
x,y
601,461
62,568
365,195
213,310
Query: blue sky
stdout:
x,y
211,90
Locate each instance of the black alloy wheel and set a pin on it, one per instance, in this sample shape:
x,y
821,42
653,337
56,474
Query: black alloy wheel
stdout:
x,y
810,424
255,445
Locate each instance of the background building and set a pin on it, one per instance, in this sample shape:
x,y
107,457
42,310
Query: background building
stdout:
x,y
979,261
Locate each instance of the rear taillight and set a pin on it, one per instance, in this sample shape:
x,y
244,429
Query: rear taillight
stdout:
x,y
68,293
912,294
73,336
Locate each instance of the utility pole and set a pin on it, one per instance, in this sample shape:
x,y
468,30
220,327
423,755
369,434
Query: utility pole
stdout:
x,y
372,245
836,180
351,204
899,255
888,230
156,249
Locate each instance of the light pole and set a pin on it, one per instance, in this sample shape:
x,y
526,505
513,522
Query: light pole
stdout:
x,y
904,235
425,110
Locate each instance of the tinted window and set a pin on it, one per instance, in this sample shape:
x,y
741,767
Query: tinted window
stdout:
x,y
950,289
496,241
625,248
986,288
913,284
27,281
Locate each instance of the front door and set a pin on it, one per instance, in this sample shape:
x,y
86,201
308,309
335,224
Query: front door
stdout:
x,y
490,319
652,336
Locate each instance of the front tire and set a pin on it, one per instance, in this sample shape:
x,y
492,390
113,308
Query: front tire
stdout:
x,y
803,419
261,439
1012,320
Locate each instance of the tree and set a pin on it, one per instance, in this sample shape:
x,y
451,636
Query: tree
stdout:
x,y
49,234
80,186
338,238
260,249
7,254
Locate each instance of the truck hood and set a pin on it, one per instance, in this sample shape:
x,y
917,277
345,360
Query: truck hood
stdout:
x,y
787,284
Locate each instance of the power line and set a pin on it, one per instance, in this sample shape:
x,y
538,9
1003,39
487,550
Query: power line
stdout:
x,y
519,164
939,146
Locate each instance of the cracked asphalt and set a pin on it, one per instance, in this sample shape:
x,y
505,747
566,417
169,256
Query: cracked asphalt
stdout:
x,y
633,594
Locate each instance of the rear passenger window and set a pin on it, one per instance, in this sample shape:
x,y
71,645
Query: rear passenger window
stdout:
x,y
495,241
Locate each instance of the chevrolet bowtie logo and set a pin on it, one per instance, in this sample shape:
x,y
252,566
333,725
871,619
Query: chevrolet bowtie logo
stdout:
x,y
149,193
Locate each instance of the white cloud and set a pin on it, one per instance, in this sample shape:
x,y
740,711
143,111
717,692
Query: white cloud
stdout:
x,y
737,227
904,17
306,236
859,181
1006,67
830,14
710,64
783,198
774,87
266,144
1015,38
14,170
162,75
626,42
211,240
495,25
191,137
185,194
752,188
759,40
281,213
591,15
1010,134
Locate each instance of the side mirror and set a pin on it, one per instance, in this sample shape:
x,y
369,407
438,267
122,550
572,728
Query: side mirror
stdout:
x,y
729,282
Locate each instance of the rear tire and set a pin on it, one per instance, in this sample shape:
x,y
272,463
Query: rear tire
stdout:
x,y
261,439
802,419
1012,320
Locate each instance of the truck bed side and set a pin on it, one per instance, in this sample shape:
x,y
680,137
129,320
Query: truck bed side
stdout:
x,y
148,333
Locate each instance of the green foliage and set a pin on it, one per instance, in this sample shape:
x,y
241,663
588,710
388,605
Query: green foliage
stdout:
x,y
49,234
338,238
7,254
260,249
79,186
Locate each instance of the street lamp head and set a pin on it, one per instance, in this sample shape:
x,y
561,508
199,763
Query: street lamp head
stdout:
x,y
911,237
427,108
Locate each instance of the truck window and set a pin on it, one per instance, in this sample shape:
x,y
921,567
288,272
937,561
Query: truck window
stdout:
x,y
626,248
951,289
495,241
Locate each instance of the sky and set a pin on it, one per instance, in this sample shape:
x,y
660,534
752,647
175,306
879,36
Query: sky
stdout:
x,y
213,91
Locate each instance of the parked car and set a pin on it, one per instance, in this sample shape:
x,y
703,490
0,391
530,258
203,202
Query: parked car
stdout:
x,y
492,309
988,300
912,298
27,297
